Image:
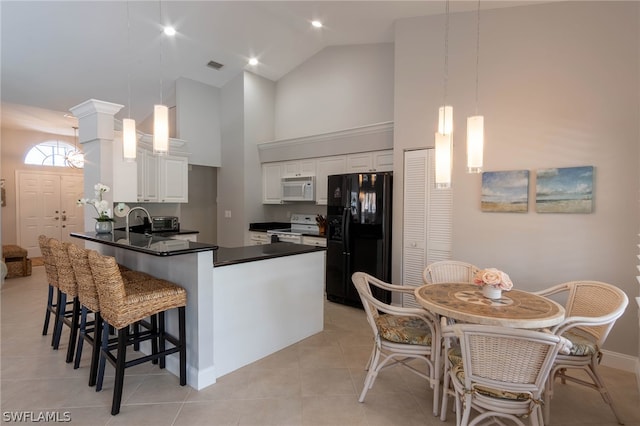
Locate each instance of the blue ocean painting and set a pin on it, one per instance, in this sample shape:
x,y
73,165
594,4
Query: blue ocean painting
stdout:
x,y
506,191
564,190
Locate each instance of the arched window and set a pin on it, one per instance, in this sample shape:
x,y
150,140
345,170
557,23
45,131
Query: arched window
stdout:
x,y
56,154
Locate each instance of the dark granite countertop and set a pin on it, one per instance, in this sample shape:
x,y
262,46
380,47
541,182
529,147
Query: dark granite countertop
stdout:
x,y
145,229
152,244
231,256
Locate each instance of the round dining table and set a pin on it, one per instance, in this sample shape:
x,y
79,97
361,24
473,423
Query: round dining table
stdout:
x,y
465,302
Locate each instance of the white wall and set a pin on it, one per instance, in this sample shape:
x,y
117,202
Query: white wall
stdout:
x,y
338,88
559,87
259,101
231,180
198,121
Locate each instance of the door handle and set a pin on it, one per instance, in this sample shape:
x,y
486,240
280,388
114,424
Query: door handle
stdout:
x,y
64,217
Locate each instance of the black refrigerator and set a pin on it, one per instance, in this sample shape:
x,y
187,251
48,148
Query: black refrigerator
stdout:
x,y
358,233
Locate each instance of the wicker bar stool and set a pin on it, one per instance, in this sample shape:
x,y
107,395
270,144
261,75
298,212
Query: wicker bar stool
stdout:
x,y
90,331
122,306
52,279
68,290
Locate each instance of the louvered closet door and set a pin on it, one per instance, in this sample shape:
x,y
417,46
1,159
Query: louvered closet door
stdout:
x,y
427,219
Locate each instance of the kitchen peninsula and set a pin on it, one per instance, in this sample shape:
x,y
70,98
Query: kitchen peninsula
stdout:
x,y
243,303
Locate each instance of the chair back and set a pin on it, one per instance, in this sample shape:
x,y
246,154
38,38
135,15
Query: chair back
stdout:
x,y
66,278
87,292
601,302
110,286
49,262
452,271
369,302
507,359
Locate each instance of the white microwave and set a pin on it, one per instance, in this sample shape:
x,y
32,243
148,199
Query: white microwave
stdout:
x,y
299,188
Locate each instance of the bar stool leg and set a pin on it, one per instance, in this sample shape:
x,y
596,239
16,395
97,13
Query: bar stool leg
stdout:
x,y
95,352
49,311
161,339
120,366
182,336
60,311
104,349
81,336
73,334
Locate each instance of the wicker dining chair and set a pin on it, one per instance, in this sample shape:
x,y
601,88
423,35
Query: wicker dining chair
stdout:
x,y
400,335
452,271
591,311
503,372
122,306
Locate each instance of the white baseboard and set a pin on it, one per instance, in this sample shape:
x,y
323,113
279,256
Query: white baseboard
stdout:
x,y
621,362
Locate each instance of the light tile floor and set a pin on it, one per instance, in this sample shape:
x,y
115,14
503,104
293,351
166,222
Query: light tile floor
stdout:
x,y
314,382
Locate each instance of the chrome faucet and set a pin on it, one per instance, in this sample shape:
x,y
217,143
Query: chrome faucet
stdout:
x,y
127,219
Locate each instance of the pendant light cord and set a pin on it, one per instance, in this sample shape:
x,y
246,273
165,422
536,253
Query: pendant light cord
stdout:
x,y
477,55
160,3
446,51
129,67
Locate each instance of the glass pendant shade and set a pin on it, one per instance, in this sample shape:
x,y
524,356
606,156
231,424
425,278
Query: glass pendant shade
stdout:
x,y
160,129
129,139
445,120
443,155
475,143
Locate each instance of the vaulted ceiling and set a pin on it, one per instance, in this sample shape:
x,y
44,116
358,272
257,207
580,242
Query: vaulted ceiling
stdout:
x,y
57,54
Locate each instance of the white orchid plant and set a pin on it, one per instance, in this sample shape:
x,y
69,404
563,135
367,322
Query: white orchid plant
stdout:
x,y
101,206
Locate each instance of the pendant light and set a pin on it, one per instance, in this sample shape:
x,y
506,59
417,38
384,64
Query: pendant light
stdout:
x,y
75,158
444,135
129,136
475,124
160,115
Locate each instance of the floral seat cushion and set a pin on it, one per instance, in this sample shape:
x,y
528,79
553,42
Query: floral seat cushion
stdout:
x,y
404,329
581,345
458,372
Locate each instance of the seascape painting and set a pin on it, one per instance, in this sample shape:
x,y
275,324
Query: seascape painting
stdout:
x,y
564,190
505,192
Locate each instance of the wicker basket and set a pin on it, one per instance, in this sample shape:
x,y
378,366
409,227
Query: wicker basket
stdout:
x,y
15,269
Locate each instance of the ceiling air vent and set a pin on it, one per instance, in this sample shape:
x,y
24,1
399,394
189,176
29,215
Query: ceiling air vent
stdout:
x,y
215,65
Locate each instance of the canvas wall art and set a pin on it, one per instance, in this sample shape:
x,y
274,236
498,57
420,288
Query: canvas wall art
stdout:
x,y
564,190
506,192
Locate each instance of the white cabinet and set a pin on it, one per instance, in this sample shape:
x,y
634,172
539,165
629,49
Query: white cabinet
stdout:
x,y
306,167
162,179
376,161
314,241
259,238
272,183
173,177
427,231
327,166
147,176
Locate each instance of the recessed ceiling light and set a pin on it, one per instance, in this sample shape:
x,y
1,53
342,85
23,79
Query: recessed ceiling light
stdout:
x,y
253,62
170,31
316,24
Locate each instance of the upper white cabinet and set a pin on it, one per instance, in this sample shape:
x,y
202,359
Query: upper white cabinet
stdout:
x,y
173,175
378,161
327,166
162,179
272,183
147,176
306,167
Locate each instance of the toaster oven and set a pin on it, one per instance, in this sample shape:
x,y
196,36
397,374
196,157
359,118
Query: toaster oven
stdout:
x,y
164,223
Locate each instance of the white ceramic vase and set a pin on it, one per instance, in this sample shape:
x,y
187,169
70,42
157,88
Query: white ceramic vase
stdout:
x,y
491,292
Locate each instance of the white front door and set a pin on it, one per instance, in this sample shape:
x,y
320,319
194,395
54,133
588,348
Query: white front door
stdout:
x,y
46,205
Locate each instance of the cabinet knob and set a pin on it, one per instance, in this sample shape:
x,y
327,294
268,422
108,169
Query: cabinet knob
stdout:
x,y
56,218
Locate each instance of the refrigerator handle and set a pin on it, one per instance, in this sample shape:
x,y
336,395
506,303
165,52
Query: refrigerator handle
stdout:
x,y
345,230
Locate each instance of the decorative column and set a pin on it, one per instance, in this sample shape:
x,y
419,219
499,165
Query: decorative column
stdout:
x,y
96,124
